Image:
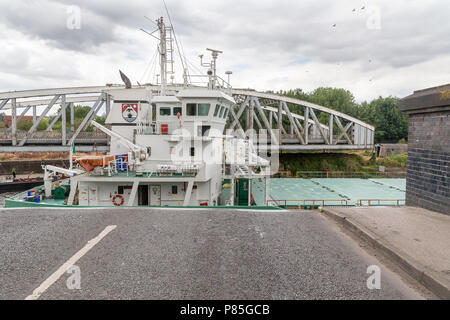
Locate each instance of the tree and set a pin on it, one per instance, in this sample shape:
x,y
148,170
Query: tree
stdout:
x,y
390,124
335,98
43,125
79,113
24,124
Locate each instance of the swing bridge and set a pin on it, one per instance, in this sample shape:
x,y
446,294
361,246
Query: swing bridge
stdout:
x,y
302,125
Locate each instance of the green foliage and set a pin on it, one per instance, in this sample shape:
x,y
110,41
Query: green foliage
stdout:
x,y
373,158
79,113
402,141
24,124
337,99
396,160
43,125
100,120
321,162
390,125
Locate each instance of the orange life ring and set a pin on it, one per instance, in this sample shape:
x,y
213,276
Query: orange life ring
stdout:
x,y
121,200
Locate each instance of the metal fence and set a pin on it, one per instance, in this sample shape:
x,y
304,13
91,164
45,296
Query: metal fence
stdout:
x,y
340,174
310,204
379,202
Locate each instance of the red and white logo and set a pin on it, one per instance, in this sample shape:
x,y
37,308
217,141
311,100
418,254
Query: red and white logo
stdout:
x,y
129,111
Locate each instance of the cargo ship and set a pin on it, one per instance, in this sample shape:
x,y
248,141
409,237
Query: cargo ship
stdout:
x,y
167,148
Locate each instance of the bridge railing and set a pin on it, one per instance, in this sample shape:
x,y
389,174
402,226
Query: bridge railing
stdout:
x,y
350,174
316,203
307,203
340,174
379,202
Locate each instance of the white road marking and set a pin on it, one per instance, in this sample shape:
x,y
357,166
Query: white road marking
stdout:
x,y
58,273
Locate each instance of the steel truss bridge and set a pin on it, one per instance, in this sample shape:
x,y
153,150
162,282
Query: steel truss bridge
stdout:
x,y
302,125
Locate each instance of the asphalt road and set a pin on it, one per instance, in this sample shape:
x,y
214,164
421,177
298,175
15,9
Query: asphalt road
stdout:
x,y
187,254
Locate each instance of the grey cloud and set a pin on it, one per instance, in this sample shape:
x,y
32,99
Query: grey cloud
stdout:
x,y
48,21
285,28
253,33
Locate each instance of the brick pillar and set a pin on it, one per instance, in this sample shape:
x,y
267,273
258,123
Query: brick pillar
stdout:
x,y
428,166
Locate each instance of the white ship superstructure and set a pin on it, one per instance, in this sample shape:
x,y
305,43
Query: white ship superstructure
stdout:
x,y
167,147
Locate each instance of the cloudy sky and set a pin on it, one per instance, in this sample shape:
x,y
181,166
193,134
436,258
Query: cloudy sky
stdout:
x,y
371,48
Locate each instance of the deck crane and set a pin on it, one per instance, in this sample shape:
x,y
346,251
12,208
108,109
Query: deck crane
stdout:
x,y
140,153
50,171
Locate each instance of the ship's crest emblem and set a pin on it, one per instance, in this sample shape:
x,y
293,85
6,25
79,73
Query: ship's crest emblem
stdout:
x,y
129,111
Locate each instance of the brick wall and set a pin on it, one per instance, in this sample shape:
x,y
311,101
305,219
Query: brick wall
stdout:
x,y
428,166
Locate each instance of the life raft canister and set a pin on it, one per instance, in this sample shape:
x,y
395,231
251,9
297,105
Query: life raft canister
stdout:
x,y
120,199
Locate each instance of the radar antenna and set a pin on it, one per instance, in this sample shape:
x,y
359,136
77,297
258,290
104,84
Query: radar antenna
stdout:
x,y
212,72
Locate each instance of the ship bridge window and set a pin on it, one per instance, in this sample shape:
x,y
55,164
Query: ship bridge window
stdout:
x,y
216,111
221,111
201,109
164,111
191,109
225,113
177,110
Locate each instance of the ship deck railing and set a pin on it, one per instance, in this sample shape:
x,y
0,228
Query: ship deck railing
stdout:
x,y
152,174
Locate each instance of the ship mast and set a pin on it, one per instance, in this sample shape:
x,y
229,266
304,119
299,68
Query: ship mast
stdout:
x,y
162,54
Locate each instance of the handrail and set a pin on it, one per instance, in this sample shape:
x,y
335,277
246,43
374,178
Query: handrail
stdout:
x,y
301,203
341,174
285,172
359,202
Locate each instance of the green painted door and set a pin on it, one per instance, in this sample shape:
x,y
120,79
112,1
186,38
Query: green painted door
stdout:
x,y
242,192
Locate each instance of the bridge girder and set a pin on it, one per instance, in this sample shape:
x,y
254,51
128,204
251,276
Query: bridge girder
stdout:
x,y
302,125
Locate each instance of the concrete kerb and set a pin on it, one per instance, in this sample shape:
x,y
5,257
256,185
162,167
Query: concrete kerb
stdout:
x,y
428,278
